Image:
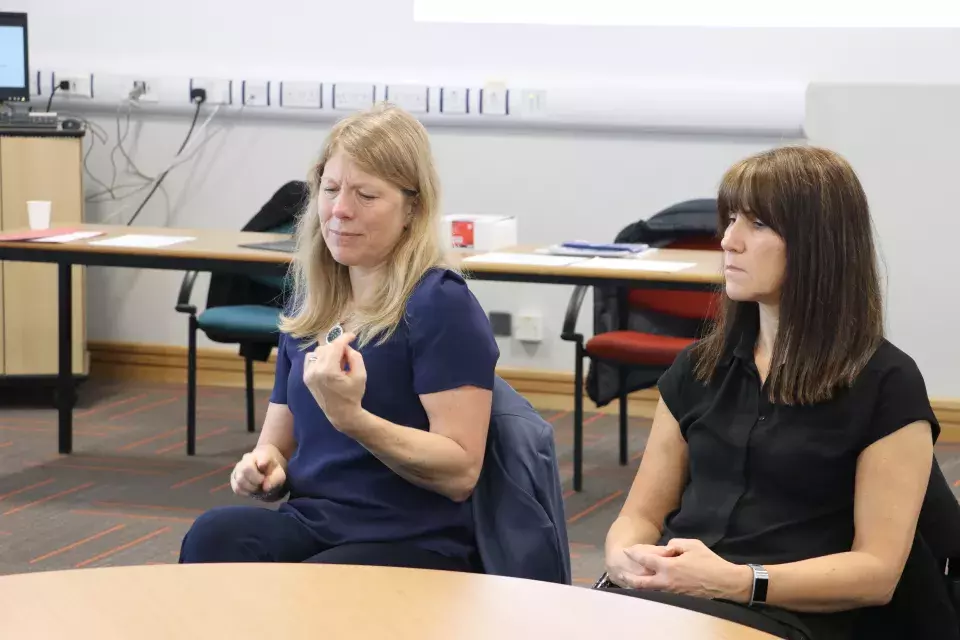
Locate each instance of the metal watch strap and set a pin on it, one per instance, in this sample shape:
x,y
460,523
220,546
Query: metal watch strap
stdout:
x,y
758,594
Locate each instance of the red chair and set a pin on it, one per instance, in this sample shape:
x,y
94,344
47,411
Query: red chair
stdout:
x,y
627,349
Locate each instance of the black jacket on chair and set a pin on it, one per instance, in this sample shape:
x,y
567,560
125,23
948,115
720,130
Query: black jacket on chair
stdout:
x,y
234,289
684,220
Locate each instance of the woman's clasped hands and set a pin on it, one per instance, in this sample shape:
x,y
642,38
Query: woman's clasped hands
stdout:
x,y
681,566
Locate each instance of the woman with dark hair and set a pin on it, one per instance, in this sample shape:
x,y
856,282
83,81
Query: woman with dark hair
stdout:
x,y
792,445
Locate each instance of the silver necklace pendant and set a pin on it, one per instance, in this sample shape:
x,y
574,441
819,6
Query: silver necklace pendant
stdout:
x,y
334,333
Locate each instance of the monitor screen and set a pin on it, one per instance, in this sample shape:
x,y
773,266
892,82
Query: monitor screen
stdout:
x,y
14,84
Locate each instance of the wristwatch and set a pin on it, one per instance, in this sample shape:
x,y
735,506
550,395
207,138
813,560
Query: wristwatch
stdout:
x,y
758,594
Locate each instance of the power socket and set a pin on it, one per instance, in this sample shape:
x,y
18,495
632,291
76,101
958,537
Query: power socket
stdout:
x,y
494,99
529,327
218,91
302,95
78,85
455,100
413,98
353,96
256,94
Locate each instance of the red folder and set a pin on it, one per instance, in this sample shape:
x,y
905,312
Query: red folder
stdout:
x,y
16,236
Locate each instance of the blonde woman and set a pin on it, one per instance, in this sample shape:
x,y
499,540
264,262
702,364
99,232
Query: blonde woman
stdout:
x,y
378,419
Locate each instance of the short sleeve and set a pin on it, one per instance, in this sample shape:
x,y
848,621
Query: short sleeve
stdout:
x,y
451,340
279,393
674,382
901,400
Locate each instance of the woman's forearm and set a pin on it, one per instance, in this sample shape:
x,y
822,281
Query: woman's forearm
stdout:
x,y
277,431
830,583
426,459
627,531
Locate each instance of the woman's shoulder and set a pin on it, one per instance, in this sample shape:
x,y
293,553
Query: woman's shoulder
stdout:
x,y
438,289
888,359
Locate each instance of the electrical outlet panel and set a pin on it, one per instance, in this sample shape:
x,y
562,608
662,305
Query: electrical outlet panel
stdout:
x,y
219,91
413,98
144,90
349,96
256,93
80,85
528,327
528,103
493,99
139,88
454,100
302,95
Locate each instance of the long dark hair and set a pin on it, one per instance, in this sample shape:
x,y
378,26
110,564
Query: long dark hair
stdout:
x,y
831,306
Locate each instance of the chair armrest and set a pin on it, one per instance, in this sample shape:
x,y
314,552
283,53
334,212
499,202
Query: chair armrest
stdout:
x,y
569,331
186,290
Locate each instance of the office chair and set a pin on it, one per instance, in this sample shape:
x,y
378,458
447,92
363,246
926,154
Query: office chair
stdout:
x,y
241,309
626,349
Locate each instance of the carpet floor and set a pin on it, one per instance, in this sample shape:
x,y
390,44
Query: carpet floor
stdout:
x,y
129,492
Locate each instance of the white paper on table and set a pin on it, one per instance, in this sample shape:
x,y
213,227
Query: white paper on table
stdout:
x,y
144,241
69,237
530,259
621,264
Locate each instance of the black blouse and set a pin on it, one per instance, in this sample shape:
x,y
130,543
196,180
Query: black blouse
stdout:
x,y
771,483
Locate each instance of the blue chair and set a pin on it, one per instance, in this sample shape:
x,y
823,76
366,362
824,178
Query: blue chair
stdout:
x,y
252,326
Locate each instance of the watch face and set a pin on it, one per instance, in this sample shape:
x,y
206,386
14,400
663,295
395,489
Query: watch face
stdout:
x,y
334,333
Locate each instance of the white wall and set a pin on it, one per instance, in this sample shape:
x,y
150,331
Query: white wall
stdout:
x,y
560,187
379,37
902,141
561,184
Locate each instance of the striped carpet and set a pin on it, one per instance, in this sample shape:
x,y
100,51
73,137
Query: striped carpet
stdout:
x,y
129,492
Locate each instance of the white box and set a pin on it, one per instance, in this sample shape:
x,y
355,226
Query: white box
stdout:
x,y
477,232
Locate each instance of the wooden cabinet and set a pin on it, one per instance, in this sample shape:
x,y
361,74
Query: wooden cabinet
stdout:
x,y
39,168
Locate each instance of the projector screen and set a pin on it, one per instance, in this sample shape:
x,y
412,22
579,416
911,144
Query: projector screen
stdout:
x,y
695,13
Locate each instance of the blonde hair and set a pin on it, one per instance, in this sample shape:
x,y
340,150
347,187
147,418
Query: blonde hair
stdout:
x,y
390,144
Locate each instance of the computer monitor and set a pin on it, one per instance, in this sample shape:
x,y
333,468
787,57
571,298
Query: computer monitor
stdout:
x,y
14,65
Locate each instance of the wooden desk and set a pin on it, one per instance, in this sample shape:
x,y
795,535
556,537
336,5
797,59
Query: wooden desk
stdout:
x,y
216,250
705,272
294,601
211,250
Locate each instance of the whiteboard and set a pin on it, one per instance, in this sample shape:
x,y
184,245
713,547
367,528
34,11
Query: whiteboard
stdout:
x,y
695,13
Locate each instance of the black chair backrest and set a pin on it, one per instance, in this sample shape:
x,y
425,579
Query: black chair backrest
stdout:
x,y
687,221
925,603
280,211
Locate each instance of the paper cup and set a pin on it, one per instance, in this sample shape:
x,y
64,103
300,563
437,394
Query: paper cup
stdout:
x,y
38,211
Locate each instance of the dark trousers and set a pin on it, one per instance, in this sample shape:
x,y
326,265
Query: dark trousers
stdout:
x,y
258,534
776,622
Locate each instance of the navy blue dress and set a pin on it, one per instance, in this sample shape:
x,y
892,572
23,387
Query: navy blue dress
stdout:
x,y
339,489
